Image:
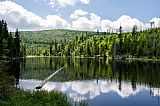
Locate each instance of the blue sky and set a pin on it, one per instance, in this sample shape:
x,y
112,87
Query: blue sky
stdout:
x,y
106,13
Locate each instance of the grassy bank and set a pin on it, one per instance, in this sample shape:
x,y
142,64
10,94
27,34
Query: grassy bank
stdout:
x,y
35,98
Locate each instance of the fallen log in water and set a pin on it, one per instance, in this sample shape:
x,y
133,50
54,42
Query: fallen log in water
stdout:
x,y
46,80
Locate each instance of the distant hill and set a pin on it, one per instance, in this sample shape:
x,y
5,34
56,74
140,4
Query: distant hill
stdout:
x,y
47,36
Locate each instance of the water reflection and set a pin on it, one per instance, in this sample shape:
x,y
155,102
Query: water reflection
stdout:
x,y
90,89
87,69
95,79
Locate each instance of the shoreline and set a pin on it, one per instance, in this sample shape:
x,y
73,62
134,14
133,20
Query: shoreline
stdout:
x,y
144,59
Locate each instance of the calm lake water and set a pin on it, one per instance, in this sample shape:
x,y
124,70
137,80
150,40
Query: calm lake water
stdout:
x,y
98,82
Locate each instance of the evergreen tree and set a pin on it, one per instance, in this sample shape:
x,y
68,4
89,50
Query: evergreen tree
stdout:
x,y
51,50
1,47
7,45
114,47
134,36
120,42
17,43
10,46
55,47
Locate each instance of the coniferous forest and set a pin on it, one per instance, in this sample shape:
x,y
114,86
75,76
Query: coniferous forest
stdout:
x,y
9,44
90,44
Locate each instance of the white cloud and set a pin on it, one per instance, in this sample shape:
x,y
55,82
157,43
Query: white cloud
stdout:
x,y
18,17
78,13
54,21
85,1
156,21
95,21
64,3
125,21
83,23
105,25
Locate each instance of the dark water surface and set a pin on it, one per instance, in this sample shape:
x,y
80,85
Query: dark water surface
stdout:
x,y
96,81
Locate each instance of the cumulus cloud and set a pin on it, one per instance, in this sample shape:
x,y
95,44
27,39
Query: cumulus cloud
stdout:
x,y
125,21
94,23
18,17
64,3
156,21
78,13
54,21
83,23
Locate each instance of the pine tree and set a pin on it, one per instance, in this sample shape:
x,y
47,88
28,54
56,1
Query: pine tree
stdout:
x,y
7,45
1,49
134,34
17,43
114,47
10,46
120,42
51,50
55,47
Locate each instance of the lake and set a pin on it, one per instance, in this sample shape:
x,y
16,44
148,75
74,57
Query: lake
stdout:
x,y
98,82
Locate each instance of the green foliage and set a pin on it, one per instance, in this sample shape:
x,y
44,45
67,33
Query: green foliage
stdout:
x,y
92,44
17,44
9,46
36,98
137,44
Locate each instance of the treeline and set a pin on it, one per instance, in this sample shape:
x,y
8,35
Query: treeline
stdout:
x,y
135,44
102,44
9,44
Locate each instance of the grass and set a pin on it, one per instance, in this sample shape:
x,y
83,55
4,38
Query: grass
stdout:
x,y
35,98
12,96
38,98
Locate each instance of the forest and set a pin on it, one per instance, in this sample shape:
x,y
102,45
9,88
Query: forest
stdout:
x,y
92,44
9,44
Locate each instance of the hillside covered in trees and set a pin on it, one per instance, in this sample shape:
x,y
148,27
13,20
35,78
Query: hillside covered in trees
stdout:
x,y
89,44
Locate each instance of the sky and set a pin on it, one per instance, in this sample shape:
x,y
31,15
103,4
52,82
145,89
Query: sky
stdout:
x,y
90,15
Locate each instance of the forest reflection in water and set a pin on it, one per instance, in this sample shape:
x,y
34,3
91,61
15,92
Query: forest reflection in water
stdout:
x,y
87,78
